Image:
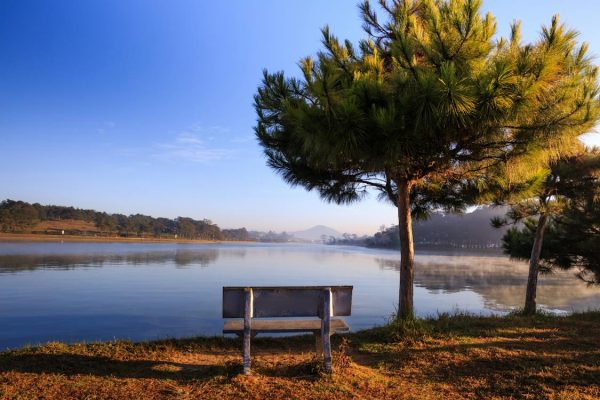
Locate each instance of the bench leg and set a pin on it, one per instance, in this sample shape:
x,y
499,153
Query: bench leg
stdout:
x,y
247,330
246,356
325,329
326,339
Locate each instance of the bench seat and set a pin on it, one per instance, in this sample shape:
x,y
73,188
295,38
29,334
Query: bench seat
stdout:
x,y
283,326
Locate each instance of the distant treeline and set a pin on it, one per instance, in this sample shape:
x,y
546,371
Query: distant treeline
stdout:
x,y
472,230
22,217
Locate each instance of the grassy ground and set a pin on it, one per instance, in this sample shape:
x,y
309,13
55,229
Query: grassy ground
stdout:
x,y
450,357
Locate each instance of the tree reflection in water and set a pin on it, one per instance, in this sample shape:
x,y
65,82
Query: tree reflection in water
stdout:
x,y
182,258
499,281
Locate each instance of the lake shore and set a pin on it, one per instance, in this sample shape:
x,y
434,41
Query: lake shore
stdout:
x,y
32,237
446,357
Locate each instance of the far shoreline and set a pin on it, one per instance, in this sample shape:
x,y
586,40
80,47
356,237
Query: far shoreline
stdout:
x,y
32,237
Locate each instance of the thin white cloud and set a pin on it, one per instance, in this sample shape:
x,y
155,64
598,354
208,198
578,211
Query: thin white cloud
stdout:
x,y
105,127
188,138
213,129
242,139
191,148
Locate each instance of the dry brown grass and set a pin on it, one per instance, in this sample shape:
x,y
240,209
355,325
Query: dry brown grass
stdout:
x,y
446,358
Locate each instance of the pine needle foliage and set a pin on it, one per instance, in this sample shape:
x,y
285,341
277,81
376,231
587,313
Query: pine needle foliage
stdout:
x,y
421,107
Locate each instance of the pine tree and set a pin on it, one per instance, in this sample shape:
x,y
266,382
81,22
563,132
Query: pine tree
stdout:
x,y
424,105
566,233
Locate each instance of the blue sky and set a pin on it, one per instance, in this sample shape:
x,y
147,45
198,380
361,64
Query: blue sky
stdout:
x,y
146,106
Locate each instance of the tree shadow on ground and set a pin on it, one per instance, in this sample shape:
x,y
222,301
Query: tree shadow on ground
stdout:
x,y
291,357
308,369
501,362
76,364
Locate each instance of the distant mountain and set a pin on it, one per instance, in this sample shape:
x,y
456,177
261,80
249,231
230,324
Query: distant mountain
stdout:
x,y
316,232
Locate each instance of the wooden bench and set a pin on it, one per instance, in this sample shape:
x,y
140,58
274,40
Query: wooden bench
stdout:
x,y
252,303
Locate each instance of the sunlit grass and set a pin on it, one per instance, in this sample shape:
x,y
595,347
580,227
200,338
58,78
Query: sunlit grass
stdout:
x,y
447,356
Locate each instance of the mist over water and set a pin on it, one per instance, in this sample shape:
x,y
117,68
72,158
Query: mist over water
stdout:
x,y
101,291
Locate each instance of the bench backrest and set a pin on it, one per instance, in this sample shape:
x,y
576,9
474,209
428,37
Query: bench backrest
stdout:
x,y
287,301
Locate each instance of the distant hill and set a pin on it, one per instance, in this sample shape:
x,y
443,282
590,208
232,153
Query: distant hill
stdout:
x,y
23,217
461,230
316,232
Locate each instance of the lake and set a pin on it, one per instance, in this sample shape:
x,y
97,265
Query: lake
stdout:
x,y
142,291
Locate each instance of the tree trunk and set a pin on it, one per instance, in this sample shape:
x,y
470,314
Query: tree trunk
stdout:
x,y
407,253
534,260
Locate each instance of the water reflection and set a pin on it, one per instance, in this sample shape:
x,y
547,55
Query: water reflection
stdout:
x,y
99,291
499,281
181,258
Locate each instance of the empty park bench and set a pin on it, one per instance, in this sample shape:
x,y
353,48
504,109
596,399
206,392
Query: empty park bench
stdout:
x,y
247,305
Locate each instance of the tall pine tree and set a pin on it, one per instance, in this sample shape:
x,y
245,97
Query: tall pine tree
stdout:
x,y
424,105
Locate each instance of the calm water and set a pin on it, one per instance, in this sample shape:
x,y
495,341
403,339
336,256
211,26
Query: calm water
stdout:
x,y
100,291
